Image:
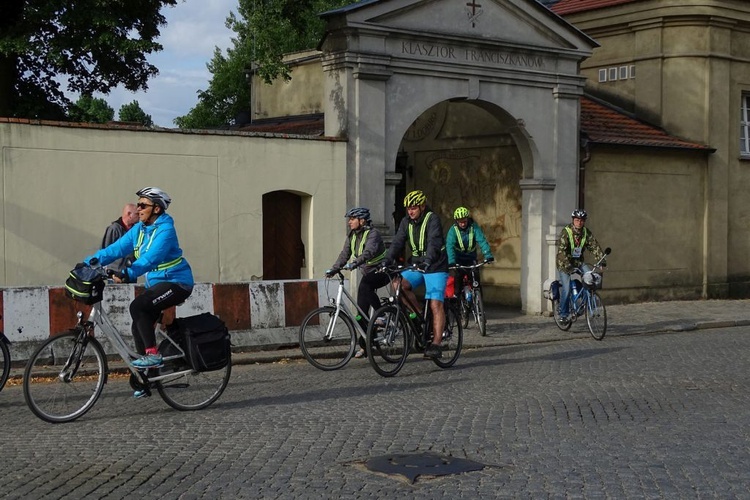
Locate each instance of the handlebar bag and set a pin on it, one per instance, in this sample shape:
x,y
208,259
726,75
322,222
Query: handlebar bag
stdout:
x,y
205,340
85,285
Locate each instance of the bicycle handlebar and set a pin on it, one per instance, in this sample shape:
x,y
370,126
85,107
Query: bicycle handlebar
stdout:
x,y
473,266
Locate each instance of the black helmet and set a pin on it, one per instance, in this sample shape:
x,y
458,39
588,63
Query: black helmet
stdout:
x,y
579,213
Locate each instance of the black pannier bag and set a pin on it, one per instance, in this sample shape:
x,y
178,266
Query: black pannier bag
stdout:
x,y
205,340
85,285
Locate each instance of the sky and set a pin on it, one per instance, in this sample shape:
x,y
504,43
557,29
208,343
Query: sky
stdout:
x,y
194,28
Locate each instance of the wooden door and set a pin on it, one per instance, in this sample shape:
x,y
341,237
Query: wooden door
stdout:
x,y
283,251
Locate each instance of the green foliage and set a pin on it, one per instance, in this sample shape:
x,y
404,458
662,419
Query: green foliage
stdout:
x,y
92,110
133,113
88,45
265,31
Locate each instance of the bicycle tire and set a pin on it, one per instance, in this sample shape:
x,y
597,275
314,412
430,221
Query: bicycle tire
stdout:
x,y
465,310
596,316
327,353
388,346
564,326
64,377
479,315
191,390
5,360
453,339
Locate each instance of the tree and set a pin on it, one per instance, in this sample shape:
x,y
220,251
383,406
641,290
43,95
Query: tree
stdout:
x,y
91,109
86,45
266,30
133,113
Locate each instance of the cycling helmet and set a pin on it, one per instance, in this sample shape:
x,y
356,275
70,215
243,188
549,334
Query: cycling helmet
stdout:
x,y
579,213
461,213
358,213
414,198
156,195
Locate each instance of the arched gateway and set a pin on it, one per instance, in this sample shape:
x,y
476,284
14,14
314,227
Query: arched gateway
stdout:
x,y
395,69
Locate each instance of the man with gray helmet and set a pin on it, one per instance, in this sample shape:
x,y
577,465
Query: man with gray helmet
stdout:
x,y
364,245
573,240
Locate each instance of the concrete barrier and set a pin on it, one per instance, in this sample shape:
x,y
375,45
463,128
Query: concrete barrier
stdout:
x,y
258,314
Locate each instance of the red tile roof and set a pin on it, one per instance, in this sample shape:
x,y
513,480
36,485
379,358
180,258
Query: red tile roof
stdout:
x,y
607,125
310,125
564,7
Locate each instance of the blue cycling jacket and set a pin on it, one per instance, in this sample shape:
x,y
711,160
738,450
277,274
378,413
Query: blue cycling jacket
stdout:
x,y
157,253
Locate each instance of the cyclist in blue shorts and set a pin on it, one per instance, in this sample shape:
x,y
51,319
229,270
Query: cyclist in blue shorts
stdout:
x,y
422,228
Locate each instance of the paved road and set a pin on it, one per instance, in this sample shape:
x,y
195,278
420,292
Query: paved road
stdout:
x,y
636,416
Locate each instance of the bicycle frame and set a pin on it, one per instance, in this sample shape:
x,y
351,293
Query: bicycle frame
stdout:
x,y
99,317
339,305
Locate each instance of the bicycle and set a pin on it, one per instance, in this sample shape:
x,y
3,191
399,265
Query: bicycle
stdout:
x,y
5,366
328,334
584,299
392,331
66,374
469,297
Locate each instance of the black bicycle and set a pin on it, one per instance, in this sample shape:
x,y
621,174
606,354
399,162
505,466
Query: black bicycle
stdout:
x,y
394,330
469,296
4,360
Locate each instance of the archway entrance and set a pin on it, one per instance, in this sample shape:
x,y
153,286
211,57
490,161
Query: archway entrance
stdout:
x,y
461,154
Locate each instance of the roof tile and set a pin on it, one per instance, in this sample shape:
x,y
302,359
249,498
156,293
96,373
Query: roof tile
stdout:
x,y
564,7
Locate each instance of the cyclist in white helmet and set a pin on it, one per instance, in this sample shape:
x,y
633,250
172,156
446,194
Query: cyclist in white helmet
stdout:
x,y
158,256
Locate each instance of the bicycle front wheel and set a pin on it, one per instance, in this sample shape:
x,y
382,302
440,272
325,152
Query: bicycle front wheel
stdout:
x,y
453,338
191,390
4,363
387,341
327,341
596,316
64,377
479,315
465,310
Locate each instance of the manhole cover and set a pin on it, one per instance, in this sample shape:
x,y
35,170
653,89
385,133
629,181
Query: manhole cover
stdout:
x,y
421,464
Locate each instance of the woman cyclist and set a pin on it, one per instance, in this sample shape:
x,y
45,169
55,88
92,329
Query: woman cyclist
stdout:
x,y
169,278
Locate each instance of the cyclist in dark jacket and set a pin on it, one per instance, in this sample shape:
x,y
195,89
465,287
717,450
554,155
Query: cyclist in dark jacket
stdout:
x,y
365,246
424,233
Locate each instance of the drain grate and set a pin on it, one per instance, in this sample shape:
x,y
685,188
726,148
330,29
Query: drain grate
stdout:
x,y
414,465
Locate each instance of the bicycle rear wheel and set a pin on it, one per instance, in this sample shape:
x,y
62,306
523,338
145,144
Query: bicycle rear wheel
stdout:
x,y
562,325
64,377
327,342
387,346
4,362
191,390
596,316
479,315
453,338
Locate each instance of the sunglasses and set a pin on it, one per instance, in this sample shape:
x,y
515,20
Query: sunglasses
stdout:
x,y
143,206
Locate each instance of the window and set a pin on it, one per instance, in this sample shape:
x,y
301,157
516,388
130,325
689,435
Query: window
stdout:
x,y
623,72
632,71
745,125
612,74
602,75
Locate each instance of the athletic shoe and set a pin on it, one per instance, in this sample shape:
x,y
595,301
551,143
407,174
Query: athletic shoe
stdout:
x,y
141,394
149,361
433,351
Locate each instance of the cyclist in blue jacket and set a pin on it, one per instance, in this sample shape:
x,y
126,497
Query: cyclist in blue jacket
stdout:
x,y
461,243
169,278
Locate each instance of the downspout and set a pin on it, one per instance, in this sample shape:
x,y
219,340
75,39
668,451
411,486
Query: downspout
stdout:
x,y
585,157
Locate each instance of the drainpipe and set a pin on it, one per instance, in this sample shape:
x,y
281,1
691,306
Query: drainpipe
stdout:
x,y
585,157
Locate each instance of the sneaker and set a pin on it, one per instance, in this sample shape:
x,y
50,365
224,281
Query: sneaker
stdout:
x,y
564,320
434,352
141,394
380,322
149,361
361,353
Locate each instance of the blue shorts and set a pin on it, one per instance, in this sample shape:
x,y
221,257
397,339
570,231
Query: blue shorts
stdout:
x,y
434,283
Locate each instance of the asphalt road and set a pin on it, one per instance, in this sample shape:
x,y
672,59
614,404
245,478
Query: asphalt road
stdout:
x,y
637,416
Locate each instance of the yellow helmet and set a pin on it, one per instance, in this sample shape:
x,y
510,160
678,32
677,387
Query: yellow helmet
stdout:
x,y
414,198
461,213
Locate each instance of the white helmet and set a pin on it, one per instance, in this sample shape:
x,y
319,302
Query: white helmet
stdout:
x,y
156,195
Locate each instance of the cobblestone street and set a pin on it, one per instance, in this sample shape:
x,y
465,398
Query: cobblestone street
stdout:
x,y
636,416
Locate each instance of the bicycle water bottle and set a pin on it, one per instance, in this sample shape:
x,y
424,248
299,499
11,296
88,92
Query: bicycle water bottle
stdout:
x,y
574,290
467,293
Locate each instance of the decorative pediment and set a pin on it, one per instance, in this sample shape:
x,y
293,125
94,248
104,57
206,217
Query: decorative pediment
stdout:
x,y
507,22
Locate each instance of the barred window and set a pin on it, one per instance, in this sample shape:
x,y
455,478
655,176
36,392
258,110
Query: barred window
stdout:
x,y
745,125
